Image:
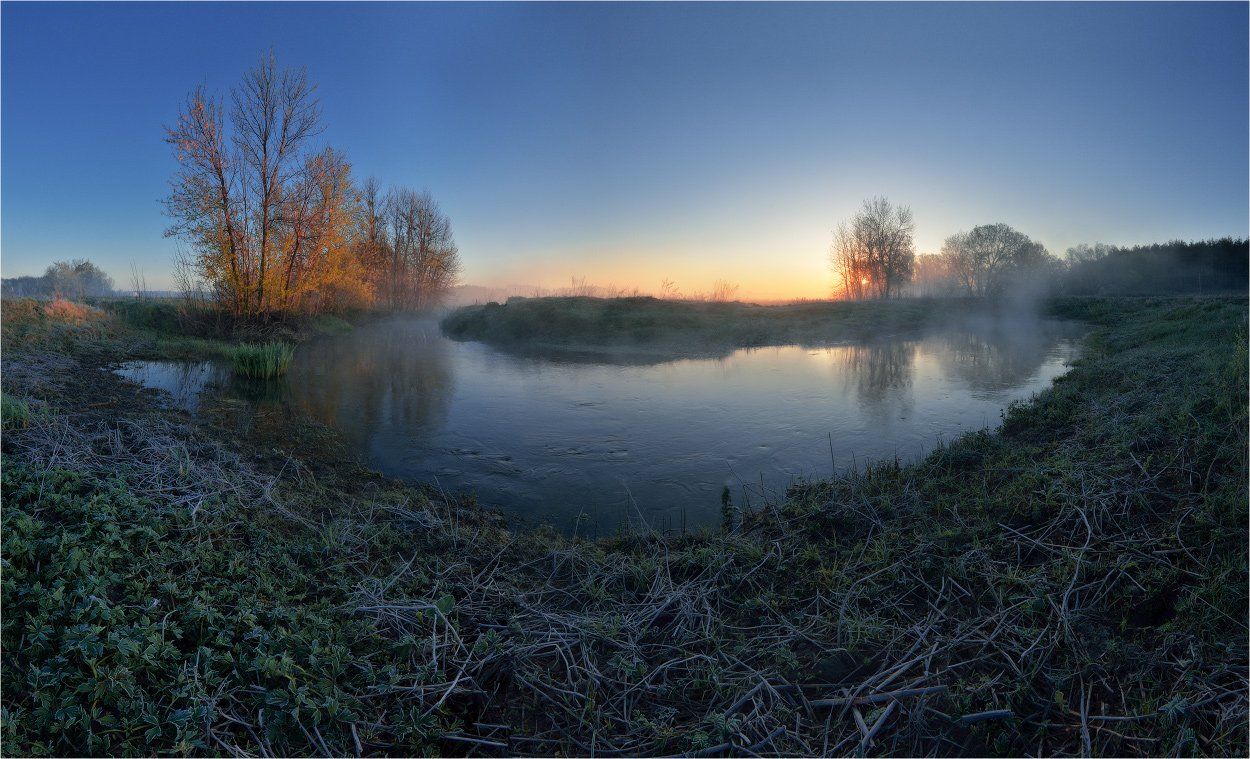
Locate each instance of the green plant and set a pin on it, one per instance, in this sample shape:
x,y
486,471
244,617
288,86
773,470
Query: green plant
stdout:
x,y
261,361
14,411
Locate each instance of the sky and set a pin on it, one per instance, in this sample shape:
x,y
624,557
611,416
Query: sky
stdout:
x,y
628,143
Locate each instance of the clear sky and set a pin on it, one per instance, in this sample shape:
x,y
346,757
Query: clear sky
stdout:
x,y
630,142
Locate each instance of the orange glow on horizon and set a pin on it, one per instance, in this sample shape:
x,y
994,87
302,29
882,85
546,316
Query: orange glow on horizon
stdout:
x,y
785,278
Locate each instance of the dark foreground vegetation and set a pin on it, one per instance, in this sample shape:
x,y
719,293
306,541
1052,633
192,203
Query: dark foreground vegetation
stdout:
x,y
1074,584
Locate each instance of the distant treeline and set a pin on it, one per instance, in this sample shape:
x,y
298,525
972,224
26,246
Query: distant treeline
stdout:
x,y
874,256
1207,266
69,279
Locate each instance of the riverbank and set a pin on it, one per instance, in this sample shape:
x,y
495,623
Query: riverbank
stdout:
x,y
1075,583
666,328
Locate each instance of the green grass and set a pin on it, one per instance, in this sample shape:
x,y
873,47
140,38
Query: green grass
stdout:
x,y
15,412
1086,563
29,324
329,324
261,361
162,328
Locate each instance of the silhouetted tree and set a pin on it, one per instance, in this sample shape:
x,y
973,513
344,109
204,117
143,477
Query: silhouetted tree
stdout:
x,y
874,254
932,276
985,259
1083,253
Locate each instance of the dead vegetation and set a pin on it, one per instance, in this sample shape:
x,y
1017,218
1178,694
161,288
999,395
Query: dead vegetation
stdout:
x,y
1074,585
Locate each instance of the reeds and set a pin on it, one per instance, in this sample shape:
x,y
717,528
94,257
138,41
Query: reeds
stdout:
x,y
261,360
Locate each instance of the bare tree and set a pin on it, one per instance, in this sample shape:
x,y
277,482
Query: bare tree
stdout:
x,y
372,246
932,276
423,260
138,281
986,258
274,114
873,254
1084,253
850,262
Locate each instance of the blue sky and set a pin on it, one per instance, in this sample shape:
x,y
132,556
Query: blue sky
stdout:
x,y
628,142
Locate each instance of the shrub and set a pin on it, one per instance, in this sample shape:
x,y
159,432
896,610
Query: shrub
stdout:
x,y
262,361
61,310
59,324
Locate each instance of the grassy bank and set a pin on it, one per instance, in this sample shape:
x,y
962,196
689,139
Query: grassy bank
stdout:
x,y
1073,584
690,327
157,328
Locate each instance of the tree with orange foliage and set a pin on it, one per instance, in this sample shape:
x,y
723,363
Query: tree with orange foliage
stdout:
x,y
271,224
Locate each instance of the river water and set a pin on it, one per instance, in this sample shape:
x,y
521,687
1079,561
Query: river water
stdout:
x,y
595,443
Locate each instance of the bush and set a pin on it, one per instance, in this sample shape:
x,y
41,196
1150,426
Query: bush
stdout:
x,y
58,324
67,311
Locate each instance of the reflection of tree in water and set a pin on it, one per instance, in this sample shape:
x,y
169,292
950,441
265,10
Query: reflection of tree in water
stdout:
x,y
390,374
996,355
880,373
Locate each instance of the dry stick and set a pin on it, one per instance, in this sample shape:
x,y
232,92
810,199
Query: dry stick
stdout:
x,y
356,737
859,722
470,739
1087,748
969,719
866,743
776,733
741,702
877,698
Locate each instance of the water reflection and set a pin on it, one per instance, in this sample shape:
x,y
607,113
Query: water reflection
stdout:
x,y
395,375
550,438
997,355
879,374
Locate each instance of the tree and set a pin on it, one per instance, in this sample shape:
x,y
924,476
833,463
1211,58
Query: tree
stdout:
x,y
874,254
77,279
268,221
932,276
70,279
320,268
422,260
989,257
1085,253
372,246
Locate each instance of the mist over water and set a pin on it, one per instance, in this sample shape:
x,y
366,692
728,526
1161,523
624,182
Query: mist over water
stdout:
x,y
599,444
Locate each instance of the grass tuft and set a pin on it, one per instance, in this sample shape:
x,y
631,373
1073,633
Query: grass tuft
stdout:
x,y
261,361
329,324
14,412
